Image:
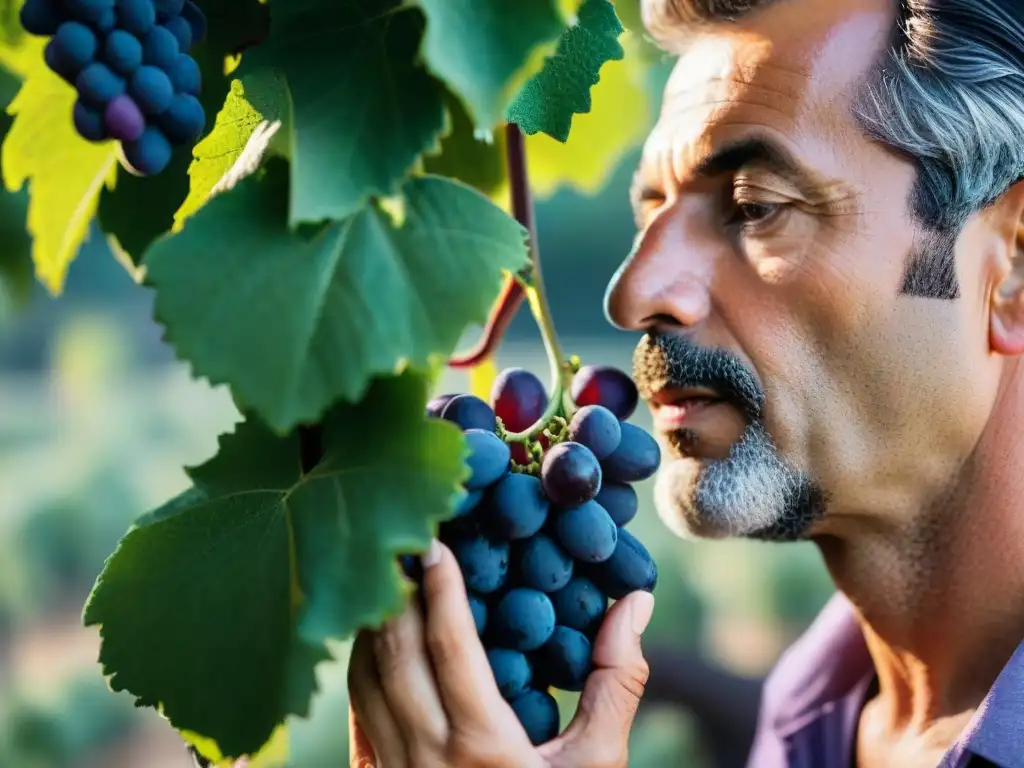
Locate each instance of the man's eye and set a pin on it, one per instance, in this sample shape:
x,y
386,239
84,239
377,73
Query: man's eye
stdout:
x,y
750,215
755,212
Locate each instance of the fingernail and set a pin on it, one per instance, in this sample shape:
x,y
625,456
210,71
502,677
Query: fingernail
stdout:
x,y
433,555
641,610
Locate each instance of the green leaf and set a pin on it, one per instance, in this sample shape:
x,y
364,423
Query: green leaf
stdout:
x,y
64,172
139,209
480,46
618,121
257,97
471,159
388,477
364,108
294,320
216,607
560,90
11,31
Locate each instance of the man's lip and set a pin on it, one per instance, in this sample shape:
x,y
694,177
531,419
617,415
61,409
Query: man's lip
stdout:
x,y
677,415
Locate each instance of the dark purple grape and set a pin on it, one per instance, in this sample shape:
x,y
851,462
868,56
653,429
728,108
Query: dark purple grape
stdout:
x,y
98,85
123,119
181,30
580,605
570,474
184,119
537,711
619,500
435,406
607,386
478,606
484,562
165,9
122,51
73,48
637,457
150,153
196,19
88,11
470,412
597,428
159,48
524,619
468,503
151,89
89,122
518,398
106,23
488,460
512,671
630,568
542,564
41,17
566,659
136,16
516,507
185,75
587,532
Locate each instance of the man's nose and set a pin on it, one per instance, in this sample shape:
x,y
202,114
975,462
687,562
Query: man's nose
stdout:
x,y
665,281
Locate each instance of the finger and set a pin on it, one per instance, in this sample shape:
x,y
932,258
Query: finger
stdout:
x,y
599,733
463,674
407,679
366,698
360,750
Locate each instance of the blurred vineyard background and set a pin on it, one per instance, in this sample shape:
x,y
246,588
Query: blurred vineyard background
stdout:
x,y
97,419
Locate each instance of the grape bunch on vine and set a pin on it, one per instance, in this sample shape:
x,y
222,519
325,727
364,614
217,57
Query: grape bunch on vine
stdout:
x,y
322,196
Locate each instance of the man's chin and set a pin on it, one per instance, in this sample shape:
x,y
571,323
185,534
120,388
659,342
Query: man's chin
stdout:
x,y
675,502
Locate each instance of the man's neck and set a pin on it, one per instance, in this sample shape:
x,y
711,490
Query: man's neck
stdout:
x,y
941,600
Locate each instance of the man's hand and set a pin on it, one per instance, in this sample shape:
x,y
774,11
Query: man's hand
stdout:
x,y
423,695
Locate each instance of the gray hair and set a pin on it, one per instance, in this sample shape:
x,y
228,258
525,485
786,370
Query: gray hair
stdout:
x,y
948,95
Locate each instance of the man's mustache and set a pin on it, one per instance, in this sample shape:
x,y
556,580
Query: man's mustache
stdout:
x,y
663,361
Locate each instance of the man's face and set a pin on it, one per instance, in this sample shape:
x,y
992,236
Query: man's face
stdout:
x,y
767,273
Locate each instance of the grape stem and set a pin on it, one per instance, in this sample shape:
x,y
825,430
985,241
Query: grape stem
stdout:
x,y
560,402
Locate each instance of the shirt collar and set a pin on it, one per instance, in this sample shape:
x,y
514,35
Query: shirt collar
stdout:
x,y
829,666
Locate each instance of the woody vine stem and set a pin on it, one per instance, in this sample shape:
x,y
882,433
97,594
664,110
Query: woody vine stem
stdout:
x,y
532,285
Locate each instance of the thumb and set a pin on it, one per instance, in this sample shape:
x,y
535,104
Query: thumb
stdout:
x,y
599,733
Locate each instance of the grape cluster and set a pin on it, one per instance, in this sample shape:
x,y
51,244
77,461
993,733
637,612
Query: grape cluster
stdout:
x,y
542,544
129,62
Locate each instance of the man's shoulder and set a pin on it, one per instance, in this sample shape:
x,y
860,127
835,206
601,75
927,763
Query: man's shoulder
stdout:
x,y
826,663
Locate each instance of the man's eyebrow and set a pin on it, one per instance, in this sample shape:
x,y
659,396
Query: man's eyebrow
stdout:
x,y
753,152
737,155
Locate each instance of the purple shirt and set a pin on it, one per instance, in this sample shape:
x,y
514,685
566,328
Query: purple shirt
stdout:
x,y
812,701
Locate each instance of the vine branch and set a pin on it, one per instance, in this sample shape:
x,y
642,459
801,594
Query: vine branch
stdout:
x,y
533,287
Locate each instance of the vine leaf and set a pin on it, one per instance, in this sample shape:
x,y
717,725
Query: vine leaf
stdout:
x,y
616,123
562,88
294,320
217,606
11,31
65,174
256,97
354,135
483,54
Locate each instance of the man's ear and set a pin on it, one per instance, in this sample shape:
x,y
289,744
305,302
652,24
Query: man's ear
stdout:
x,y
1006,313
